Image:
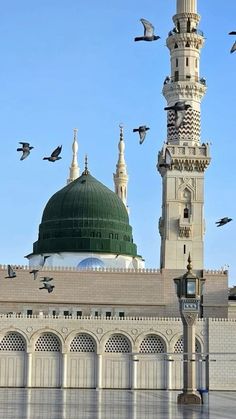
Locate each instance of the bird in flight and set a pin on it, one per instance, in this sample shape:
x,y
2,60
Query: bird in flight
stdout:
x,y
47,283
223,221
11,272
179,109
35,273
234,45
46,279
47,286
148,32
43,260
142,132
25,149
55,155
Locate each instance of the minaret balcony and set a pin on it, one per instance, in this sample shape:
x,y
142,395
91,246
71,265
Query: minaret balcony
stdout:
x,y
180,40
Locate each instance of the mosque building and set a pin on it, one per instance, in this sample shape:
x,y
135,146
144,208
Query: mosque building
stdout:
x,y
110,322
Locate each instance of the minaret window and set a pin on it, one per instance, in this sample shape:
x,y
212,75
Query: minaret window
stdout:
x,y
186,212
188,26
196,63
187,44
187,61
177,62
176,76
184,249
176,46
178,26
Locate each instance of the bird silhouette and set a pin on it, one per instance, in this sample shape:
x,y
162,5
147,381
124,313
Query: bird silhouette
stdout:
x,y
142,132
233,49
43,260
148,32
35,273
168,160
234,45
11,272
223,221
25,149
47,286
179,109
54,155
46,279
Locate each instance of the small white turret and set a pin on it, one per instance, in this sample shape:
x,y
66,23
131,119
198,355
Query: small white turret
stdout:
x,y
74,168
121,177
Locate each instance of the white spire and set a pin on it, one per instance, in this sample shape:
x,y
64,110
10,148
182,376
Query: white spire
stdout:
x,y
186,6
74,168
121,176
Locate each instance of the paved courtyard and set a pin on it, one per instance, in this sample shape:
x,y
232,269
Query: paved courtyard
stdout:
x,y
109,404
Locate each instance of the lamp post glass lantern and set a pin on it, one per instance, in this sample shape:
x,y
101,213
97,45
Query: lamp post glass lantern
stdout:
x,y
189,288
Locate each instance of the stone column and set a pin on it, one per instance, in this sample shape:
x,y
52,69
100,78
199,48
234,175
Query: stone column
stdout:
x,y
135,362
99,371
29,369
169,362
64,370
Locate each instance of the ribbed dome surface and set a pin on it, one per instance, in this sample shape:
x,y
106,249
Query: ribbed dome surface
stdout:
x,y
85,216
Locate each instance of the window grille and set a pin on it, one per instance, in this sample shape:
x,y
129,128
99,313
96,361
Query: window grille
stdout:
x,y
152,344
12,342
47,343
117,344
82,343
179,346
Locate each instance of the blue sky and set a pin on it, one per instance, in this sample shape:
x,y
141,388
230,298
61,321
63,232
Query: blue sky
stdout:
x,y
73,63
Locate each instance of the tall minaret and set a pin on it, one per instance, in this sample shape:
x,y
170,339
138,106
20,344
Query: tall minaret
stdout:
x,y
181,225
121,176
74,168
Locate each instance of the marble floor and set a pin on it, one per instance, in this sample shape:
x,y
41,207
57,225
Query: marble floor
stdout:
x,y
109,404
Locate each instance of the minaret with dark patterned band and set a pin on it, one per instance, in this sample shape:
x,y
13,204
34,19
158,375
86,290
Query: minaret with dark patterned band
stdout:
x,y
181,225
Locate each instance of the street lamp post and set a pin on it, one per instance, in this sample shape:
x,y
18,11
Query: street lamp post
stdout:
x,y
189,290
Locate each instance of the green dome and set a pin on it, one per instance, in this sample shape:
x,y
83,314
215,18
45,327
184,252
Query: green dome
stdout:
x,y
85,216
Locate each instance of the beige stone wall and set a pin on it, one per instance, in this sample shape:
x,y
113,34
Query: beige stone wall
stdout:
x,y
136,293
216,337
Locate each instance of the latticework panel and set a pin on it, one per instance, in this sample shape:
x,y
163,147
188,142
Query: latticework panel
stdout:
x,y
179,346
12,342
82,343
117,344
152,344
48,343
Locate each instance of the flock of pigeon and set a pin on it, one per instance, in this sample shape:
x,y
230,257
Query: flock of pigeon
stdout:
x,y
46,280
26,149
179,109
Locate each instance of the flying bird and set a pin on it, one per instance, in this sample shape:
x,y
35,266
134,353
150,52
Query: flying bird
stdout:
x,y
234,45
46,279
223,221
47,287
167,161
43,260
148,32
55,155
179,109
233,48
25,149
35,273
142,132
11,272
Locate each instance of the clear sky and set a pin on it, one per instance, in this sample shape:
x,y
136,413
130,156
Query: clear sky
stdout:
x,y
73,63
